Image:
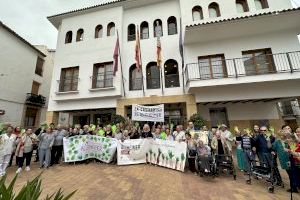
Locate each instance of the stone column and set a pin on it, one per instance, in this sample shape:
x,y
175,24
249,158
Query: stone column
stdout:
x,y
191,106
52,117
121,109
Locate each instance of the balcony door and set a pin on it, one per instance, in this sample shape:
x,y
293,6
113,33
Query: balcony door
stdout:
x,y
258,62
212,66
218,116
35,88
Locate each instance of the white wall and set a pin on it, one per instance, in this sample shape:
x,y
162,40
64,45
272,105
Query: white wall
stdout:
x,y
243,111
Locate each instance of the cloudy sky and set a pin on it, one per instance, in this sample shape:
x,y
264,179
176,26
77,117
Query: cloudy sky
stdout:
x,y
28,17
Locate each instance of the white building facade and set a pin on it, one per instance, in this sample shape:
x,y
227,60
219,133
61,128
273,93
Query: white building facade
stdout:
x,y
25,78
240,57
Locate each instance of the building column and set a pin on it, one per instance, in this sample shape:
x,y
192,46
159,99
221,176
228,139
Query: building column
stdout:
x,y
52,117
121,109
191,106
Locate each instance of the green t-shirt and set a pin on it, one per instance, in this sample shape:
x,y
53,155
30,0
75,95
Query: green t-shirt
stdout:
x,y
101,132
113,129
163,135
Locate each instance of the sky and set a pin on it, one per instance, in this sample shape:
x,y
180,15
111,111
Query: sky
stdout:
x,y
29,17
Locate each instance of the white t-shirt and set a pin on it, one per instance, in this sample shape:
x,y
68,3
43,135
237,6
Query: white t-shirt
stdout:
x,y
179,136
9,143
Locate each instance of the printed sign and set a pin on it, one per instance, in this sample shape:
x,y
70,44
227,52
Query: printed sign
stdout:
x,y
82,147
148,113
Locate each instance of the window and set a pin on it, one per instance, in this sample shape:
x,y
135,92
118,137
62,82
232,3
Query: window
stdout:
x,y
172,26
102,75
144,30
197,13
30,117
212,66
214,10
99,31
242,6
35,88
153,76
111,29
171,74
68,38
258,62
261,4
79,36
131,32
69,79
218,116
135,78
39,66
158,29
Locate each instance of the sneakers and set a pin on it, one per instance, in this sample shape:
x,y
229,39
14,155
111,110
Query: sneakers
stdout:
x,y
27,169
19,170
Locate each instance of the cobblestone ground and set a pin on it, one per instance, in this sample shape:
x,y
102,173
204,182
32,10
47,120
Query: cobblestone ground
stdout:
x,y
102,181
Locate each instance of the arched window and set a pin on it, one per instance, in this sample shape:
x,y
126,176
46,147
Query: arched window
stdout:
x,y
261,4
131,32
242,6
135,78
79,36
144,30
171,74
197,13
172,26
153,76
157,28
214,10
99,31
68,38
111,29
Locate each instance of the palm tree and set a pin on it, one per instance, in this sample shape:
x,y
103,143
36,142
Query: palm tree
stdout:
x,y
163,159
182,161
150,151
154,158
171,155
146,157
167,159
159,152
177,159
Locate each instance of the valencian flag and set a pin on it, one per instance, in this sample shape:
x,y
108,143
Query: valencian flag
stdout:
x,y
138,51
116,56
158,49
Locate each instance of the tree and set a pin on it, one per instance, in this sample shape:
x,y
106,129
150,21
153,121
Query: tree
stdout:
x,y
198,120
116,119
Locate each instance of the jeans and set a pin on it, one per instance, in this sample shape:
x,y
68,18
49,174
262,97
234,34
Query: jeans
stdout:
x,y
249,158
45,156
26,156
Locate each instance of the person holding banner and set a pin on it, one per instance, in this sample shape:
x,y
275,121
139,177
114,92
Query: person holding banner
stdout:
x,y
169,136
146,133
179,134
156,134
108,132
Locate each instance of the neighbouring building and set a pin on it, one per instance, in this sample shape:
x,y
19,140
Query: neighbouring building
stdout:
x,y
25,78
240,58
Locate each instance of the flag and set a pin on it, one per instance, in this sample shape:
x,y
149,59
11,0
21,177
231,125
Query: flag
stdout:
x,y
138,51
116,56
158,50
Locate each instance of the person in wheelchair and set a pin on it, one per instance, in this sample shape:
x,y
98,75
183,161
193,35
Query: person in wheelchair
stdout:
x,y
204,158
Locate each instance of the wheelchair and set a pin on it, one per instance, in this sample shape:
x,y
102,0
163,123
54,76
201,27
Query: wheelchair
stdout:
x,y
225,163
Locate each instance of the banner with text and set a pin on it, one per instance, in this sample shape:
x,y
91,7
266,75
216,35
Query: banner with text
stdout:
x,y
164,153
82,147
148,113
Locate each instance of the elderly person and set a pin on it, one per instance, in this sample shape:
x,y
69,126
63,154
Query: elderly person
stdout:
x,y
108,132
227,135
179,134
218,144
24,149
57,148
191,151
45,145
8,142
156,134
146,133
204,156
169,135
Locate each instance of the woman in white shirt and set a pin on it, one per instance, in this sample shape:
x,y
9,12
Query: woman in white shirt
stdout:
x,y
7,143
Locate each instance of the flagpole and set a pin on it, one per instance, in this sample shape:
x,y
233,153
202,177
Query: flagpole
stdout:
x,y
159,64
182,56
124,92
141,60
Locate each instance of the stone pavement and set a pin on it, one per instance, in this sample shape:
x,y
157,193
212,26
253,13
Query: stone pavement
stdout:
x,y
144,182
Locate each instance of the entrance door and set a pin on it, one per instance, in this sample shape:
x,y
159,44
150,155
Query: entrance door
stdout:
x,y
218,116
82,120
30,117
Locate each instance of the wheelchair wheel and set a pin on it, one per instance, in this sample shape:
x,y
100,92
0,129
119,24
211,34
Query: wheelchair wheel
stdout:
x,y
271,189
248,182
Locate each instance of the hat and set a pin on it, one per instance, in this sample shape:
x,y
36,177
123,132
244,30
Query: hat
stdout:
x,y
223,125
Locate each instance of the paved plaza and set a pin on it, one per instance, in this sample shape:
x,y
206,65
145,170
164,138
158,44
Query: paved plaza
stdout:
x,y
105,181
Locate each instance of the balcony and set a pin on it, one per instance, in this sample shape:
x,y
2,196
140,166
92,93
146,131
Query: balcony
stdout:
x,y
260,68
35,100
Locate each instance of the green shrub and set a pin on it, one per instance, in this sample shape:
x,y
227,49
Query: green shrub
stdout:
x,y
31,191
198,121
116,119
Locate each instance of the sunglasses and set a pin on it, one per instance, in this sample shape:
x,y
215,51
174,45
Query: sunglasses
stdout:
x,y
263,130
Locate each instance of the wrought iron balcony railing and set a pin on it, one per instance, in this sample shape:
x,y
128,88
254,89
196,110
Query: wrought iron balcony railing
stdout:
x,y
36,100
246,66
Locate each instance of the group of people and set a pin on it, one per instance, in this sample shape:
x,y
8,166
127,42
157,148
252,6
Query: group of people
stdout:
x,y
47,142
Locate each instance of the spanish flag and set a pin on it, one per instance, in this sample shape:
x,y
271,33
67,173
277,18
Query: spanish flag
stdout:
x,y
158,51
138,51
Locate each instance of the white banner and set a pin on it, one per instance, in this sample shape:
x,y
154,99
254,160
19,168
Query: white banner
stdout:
x,y
148,113
132,151
82,147
164,153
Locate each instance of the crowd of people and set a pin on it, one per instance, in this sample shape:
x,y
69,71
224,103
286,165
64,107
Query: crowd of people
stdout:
x,y
259,143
